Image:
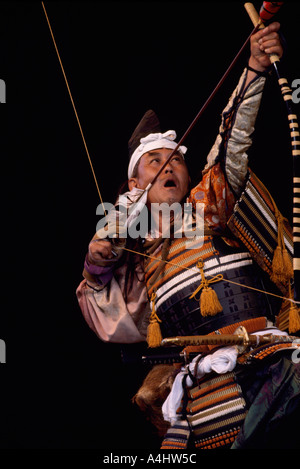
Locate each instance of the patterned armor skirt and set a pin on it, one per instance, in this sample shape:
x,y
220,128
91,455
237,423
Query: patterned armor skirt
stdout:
x,y
257,405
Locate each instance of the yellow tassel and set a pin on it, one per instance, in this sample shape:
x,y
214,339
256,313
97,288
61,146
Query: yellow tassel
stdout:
x,y
291,313
287,264
154,336
281,266
209,301
282,269
277,265
294,319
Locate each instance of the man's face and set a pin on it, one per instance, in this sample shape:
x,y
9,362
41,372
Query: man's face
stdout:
x,y
171,185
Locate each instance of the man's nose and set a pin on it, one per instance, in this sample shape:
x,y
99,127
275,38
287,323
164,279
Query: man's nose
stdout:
x,y
168,168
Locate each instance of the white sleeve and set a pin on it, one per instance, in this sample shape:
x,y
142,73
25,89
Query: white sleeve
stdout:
x,y
107,313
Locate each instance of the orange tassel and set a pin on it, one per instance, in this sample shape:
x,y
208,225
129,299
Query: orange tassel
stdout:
x,y
281,266
293,313
282,269
209,301
277,265
154,336
294,319
287,263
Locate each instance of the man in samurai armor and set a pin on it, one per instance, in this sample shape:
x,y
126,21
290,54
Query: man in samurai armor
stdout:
x,y
236,275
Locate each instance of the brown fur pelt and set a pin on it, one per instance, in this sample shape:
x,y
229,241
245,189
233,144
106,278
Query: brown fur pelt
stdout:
x,y
153,392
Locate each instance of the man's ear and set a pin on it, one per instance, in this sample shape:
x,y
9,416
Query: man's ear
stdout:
x,y
132,182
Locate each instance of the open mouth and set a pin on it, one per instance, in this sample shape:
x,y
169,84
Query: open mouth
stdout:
x,y
170,183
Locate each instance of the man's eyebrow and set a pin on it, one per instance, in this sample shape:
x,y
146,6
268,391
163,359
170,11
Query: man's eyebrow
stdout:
x,y
158,153
153,153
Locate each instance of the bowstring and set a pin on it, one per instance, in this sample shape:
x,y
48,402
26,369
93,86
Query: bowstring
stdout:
x,y
74,107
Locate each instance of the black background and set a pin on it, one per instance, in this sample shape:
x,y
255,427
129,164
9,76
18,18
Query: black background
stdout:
x,y
61,387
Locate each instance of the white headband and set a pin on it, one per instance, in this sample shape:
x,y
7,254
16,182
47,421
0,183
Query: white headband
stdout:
x,y
152,142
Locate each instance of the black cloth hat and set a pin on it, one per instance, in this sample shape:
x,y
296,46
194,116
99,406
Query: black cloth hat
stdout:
x,y
148,124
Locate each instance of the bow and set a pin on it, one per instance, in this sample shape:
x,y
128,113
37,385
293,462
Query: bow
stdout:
x,y
268,9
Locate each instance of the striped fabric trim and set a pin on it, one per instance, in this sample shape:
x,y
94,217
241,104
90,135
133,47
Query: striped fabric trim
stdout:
x,y
264,351
217,407
177,436
215,413
219,440
228,392
213,384
232,421
181,256
269,218
255,224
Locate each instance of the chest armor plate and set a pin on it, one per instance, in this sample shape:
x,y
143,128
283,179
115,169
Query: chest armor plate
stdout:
x,y
180,277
